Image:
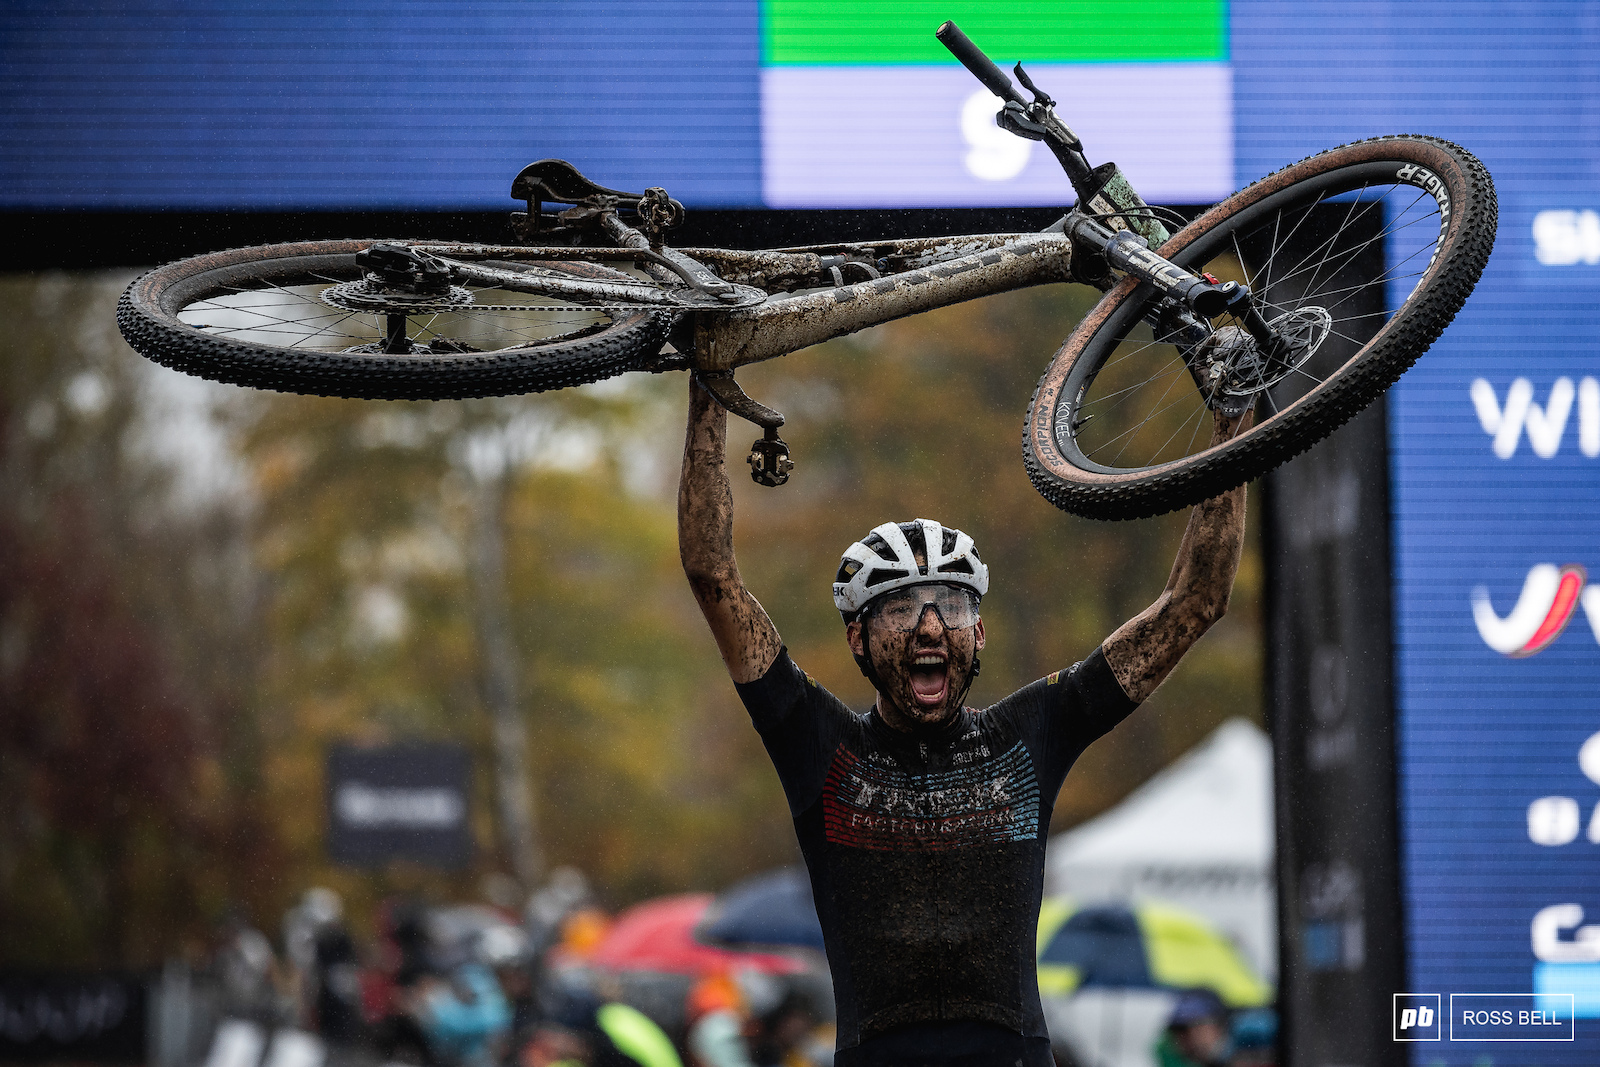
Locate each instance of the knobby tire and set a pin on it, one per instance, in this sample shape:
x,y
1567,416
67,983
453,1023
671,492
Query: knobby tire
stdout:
x,y
1329,190
305,347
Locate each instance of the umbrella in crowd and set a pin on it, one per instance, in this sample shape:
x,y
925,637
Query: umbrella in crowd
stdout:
x,y
658,935
1145,945
770,909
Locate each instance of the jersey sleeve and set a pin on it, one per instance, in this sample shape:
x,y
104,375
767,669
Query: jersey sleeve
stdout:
x,y
800,724
1064,713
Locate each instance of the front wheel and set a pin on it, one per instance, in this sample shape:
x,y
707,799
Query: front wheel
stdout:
x,y
1366,251
297,318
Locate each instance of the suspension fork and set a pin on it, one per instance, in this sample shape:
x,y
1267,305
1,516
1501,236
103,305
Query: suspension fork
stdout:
x,y
1201,298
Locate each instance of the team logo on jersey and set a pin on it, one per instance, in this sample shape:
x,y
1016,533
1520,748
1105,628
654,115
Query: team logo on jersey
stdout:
x,y
871,805
1549,598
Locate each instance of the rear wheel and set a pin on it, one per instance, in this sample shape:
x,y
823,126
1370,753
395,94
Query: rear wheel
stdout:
x,y
296,318
1365,253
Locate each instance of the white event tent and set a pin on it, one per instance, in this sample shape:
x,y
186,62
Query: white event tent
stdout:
x,y
1199,834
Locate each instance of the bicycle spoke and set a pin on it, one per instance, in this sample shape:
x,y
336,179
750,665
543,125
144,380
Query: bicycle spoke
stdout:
x,y
294,315
1352,252
1309,271
1146,421
1190,447
1126,394
1355,250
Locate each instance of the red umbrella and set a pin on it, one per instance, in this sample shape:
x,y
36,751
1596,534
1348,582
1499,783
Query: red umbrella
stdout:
x,y
658,935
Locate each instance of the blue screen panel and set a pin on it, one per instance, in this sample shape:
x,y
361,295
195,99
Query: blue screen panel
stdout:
x,y
1494,438
364,105
430,105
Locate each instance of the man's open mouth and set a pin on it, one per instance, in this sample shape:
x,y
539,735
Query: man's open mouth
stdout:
x,y
929,678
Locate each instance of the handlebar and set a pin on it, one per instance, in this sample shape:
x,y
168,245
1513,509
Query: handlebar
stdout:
x,y
1105,190
981,66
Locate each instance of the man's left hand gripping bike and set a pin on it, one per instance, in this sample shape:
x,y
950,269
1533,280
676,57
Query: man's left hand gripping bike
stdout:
x,y
1306,294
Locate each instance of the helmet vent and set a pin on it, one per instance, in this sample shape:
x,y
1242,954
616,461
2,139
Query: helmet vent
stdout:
x,y
947,545
884,574
918,542
880,546
957,566
847,570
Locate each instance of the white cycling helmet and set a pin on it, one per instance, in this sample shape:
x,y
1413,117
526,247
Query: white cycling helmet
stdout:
x,y
886,559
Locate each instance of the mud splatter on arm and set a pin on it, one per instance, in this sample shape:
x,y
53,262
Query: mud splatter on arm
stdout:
x,y
745,635
1145,649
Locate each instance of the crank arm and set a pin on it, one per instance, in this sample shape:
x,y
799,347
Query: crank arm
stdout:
x,y
769,458
721,385
693,274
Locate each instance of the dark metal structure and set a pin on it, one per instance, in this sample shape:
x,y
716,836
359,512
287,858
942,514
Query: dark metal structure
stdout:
x,y
1330,700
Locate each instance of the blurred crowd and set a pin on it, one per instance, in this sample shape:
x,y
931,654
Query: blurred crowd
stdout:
x,y
488,985
680,981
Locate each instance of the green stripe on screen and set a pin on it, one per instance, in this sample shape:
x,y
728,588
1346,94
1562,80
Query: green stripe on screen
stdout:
x,y
875,32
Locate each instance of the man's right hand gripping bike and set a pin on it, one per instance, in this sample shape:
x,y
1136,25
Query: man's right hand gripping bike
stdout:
x,y
1306,294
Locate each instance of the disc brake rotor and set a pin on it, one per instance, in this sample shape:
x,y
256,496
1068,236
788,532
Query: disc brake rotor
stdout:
x,y
1236,363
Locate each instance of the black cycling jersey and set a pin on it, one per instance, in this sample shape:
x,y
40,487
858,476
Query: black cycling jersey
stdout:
x,y
926,849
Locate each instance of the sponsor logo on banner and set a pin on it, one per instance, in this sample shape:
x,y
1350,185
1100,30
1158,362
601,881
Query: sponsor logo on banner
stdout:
x,y
1550,596
1554,821
1545,424
1564,238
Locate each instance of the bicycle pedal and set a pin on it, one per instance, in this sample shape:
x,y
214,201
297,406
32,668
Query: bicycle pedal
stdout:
x,y
769,461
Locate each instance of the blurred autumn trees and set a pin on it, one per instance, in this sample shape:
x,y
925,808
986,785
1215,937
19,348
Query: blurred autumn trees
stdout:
x,y
127,763
184,630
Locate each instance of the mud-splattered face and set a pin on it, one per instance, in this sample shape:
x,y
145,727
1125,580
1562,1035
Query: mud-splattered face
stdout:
x,y
922,672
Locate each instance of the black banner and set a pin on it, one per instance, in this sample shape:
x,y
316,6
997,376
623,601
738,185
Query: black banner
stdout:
x,y
1331,710
399,802
85,1018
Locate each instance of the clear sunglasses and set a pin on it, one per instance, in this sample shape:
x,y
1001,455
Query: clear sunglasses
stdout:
x,y
902,608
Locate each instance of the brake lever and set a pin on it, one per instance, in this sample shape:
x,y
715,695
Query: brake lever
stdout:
x,y
1040,97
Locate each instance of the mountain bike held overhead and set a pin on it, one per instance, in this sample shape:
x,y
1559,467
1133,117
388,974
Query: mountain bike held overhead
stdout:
x,y
1305,294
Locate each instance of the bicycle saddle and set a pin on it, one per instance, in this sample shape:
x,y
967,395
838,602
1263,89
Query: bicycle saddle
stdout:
x,y
559,181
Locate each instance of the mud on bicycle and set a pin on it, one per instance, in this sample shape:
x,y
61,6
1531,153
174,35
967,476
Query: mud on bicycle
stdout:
x,y
1305,295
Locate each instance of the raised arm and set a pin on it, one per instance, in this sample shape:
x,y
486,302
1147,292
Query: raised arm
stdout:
x,y
745,636
1143,650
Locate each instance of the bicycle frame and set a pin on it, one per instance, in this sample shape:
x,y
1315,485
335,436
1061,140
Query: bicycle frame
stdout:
x,y
927,273
939,272
556,311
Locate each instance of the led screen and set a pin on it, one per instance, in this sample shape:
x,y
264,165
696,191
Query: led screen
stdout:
x,y
861,106
726,103
1495,494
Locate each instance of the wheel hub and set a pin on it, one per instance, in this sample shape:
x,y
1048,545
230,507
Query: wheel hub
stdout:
x,y
1235,366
